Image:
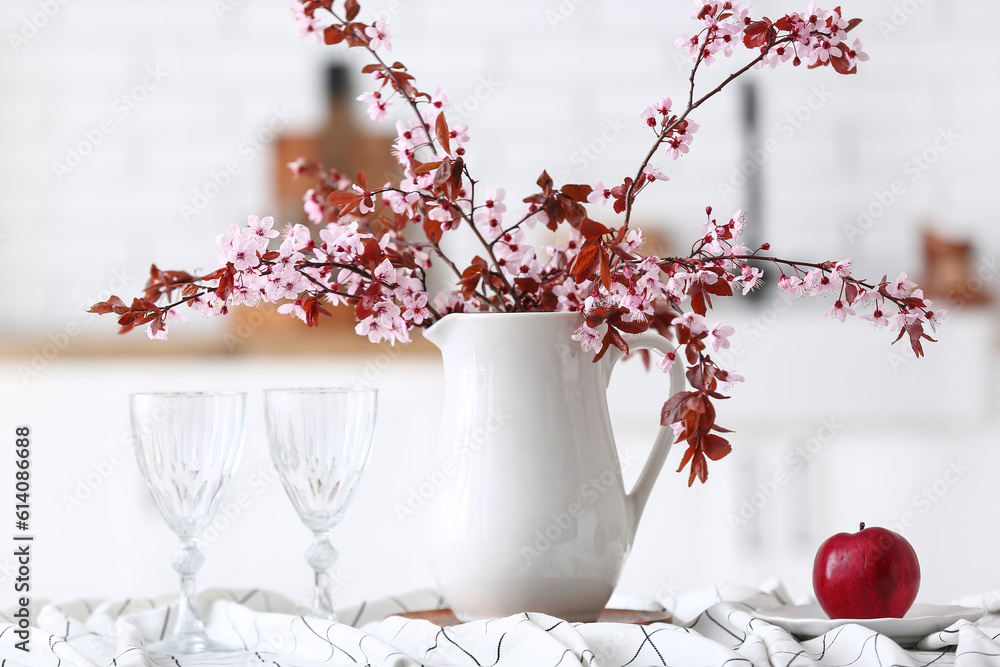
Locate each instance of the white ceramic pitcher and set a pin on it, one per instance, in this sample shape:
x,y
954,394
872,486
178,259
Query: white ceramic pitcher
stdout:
x,y
533,515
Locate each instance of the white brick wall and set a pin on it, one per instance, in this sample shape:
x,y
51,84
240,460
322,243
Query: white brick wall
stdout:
x,y
227,73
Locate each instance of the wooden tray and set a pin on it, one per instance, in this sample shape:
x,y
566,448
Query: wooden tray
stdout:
x,y
446,618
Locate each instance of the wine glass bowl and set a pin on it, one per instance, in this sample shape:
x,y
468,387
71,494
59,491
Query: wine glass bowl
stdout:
x,y
320,442
187,445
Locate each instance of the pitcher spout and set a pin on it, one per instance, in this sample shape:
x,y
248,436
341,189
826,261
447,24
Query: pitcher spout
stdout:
x,y
437,333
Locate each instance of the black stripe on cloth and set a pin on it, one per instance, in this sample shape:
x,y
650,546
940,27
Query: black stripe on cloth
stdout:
x,y
795,657
166,619
247,597
121,609
462,649
734,635
562,657
650,640
333,647
361,610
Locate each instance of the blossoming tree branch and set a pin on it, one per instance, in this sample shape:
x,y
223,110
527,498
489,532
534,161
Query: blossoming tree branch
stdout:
x,y
375,243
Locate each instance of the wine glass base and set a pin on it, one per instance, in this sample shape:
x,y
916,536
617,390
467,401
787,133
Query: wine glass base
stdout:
x,y
192,643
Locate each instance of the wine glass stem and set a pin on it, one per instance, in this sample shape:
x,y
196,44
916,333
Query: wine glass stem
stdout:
x,y
321,556
187,562
322,597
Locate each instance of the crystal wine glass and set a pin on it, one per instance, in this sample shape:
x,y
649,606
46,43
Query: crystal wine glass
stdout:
x,y
187,445
320,442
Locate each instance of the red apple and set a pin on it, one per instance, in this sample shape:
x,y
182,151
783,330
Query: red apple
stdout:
x,y
872,573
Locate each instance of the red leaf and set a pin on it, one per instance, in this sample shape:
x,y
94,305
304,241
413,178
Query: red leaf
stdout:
x,y
577,192
850,293
591,229
699,469
843,65
758,34
352,7
347,201
617,340
372,253
333,35
715,446
545,181
441,129
112,305
528,285
432,228
673,410
426,167
586,263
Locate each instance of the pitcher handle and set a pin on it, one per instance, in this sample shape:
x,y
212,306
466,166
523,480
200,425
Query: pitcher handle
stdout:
x,y
637,498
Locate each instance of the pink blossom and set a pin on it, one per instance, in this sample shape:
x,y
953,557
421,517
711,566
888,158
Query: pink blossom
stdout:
x,y
243,253
437,105
654,174
459,134
443,215
842,269
678,140
632,242
792,285
298,166
823,282
859,53
648,116
738,222
304,26
379,36
694,322
751,277
877,317
904,318
366,196
840,310
341,239
261,230
293,309
385,272
588,337
285,283
313,207
385,323
718,336
159,335
599,194
728,378
663,106
377,108
901,287
935,318
666,362
298,236
494,202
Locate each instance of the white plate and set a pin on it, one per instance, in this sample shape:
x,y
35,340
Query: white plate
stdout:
x,y
809,620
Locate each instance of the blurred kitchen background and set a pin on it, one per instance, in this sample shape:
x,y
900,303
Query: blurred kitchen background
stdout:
x,y
133,133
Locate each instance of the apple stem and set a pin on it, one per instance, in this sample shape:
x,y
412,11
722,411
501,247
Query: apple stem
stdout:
x,y
862,526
